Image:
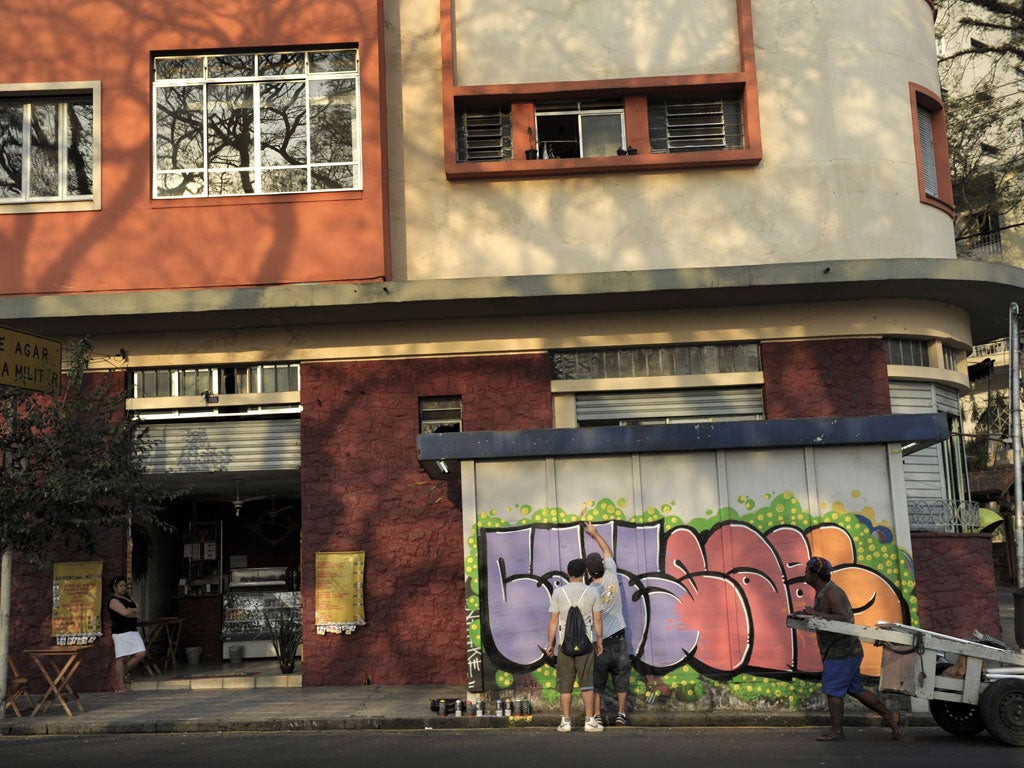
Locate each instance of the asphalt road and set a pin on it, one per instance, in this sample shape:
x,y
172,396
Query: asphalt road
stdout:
x,y
924,747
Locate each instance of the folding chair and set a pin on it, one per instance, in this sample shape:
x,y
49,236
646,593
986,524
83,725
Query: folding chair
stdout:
x,y
17,689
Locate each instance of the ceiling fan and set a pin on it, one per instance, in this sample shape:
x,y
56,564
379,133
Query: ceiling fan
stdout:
x,y
238,502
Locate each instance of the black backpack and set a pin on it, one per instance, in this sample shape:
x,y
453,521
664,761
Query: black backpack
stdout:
x,y
574,639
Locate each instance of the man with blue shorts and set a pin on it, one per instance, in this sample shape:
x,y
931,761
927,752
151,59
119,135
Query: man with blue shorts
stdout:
x,y
841,655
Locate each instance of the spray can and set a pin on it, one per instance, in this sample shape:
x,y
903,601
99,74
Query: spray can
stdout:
x,y
458,707
441,706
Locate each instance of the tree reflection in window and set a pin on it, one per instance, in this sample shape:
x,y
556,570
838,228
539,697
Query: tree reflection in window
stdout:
x,y
265,123
46,148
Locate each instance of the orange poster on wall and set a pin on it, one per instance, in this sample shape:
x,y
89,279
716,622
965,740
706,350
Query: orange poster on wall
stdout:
x,y
77,617
339,592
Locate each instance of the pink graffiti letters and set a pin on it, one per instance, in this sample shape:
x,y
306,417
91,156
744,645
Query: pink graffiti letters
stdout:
x,y
717,600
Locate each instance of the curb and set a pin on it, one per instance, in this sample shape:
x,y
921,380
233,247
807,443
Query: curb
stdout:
x,y
711,719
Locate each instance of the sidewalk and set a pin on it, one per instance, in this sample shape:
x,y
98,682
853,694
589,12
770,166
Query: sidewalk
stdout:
x,y
337,709
255,697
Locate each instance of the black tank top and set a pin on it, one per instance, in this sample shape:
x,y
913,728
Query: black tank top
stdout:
x,y
119,623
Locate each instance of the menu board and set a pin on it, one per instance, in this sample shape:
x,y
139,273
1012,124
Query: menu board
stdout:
x,y
77,617
339,592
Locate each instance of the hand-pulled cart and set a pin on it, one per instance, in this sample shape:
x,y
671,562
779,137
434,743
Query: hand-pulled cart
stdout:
x,y
983,689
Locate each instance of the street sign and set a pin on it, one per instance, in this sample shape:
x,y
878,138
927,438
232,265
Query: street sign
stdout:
x,y
29,362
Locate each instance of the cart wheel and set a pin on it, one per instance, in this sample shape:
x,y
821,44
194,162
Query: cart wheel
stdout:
x,y
957,718
1002,710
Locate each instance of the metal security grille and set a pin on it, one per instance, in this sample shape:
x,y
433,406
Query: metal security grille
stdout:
x,y
483,135
928,165
224,446
680,360
670,406
695,125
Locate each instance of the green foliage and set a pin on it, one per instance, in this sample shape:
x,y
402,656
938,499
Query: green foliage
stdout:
x,y
72,462
989,419
285,628
983,48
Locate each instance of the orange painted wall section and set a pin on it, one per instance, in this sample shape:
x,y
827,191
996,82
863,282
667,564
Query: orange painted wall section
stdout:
x,y
137,243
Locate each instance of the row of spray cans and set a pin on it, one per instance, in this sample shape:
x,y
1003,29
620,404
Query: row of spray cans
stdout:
x,y
481,708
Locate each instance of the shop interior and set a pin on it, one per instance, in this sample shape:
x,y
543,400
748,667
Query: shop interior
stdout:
x,y
223,557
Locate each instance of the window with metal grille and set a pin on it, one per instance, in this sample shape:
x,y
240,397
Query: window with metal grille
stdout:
x,y
949,357
484,134
695,125
679,360
440,414
906,351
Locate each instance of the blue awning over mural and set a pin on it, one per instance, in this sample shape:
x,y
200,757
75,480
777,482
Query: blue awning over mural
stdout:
x,y
912,431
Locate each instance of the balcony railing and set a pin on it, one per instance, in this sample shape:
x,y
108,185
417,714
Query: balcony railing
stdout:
x,y
1000,347
985,246
943,516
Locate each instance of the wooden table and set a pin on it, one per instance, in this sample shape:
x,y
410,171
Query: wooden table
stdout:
x,y
161,637
58,665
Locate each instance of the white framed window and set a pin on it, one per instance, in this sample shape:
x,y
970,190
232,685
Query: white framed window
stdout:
x,y
256,123
222,380
49,147
581,129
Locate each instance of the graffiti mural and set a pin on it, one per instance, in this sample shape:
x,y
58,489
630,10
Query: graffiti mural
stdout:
x,y
705,599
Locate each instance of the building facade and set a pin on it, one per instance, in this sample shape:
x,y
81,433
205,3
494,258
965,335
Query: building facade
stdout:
x,y
350,257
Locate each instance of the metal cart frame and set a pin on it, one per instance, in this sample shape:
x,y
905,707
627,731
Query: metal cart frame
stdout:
x,y
986,693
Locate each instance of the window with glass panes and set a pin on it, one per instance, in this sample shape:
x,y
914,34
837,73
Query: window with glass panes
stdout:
x,y
47,144
256,123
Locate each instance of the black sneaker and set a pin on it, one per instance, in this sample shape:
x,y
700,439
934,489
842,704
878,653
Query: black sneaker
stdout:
x,y
620,719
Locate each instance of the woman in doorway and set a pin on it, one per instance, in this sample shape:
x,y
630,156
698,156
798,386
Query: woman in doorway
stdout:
x,y
129,648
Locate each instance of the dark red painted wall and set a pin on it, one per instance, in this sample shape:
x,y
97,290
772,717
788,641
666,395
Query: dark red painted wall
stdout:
x,y
823,378
956,583
363,489
31,605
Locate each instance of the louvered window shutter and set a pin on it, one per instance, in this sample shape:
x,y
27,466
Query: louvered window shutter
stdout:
x,y
931,180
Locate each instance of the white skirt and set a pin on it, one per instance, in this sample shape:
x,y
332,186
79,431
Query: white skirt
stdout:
x,y
128,644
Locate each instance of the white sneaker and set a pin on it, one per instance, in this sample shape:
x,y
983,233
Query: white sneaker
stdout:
x,y
565,726
593,725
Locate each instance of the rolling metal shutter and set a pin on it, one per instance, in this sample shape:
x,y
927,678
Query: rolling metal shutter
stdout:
x,y
673,405
236,446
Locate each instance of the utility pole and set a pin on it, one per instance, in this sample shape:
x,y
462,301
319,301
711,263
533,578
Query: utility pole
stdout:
x,y
1018,513
1018,519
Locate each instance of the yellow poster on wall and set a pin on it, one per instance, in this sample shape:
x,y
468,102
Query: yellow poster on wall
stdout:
x,y
77,603
339,592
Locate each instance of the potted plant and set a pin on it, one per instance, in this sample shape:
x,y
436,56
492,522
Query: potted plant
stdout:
x,y
285,628
531,153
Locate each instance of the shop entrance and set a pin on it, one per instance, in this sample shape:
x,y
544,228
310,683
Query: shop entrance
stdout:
x,y
226,555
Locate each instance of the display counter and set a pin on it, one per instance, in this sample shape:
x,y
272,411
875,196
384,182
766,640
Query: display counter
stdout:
x,y
244,623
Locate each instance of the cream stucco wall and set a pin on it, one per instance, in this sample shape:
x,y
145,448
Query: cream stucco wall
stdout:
x,y
523,41
540,333
838,179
